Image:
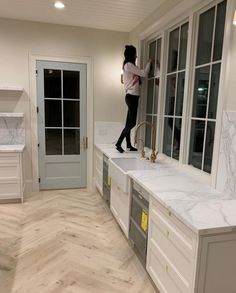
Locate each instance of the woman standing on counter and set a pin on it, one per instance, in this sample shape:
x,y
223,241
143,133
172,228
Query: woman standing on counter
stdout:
x,y
132,82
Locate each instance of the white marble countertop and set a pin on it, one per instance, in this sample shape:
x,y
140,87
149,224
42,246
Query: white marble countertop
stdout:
x,y
110,151
203,209
18,148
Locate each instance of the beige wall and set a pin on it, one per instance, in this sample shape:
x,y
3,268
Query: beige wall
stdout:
x,y
231,82
21,38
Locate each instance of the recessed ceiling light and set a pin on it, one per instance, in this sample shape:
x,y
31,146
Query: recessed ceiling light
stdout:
x,y
59,5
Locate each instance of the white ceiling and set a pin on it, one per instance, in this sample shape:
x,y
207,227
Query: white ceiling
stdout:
x,y
118,15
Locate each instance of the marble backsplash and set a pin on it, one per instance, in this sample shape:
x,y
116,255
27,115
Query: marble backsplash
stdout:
x,y
226,176
12,130
107,132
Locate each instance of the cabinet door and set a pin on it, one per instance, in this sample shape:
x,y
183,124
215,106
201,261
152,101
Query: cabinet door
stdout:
x,y
124,204
217,264
171,251
115,202
120,203
10,176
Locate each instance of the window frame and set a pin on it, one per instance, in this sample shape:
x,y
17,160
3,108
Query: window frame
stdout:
x,y
191,15
158,112
165,74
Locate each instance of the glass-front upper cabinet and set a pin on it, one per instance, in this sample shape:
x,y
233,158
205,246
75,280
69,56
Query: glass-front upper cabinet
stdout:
x,y
206,84
174,94
153,88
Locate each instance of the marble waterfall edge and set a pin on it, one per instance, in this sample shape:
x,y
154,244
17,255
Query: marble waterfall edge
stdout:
x,y
226,176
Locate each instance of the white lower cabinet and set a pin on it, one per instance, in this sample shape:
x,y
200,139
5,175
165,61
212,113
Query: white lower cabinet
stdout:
x,y
11,176
120,203
99,170
171,253
180,261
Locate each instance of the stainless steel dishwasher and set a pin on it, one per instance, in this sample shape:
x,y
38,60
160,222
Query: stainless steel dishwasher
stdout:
x,y
139,221
106,181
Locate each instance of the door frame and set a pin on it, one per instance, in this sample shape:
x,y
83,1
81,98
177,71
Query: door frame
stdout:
x,y
34,120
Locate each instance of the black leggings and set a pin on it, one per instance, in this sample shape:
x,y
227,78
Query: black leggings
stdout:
x,y
132,103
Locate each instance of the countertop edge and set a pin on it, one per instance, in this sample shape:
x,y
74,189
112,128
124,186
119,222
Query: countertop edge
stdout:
x,y
12,148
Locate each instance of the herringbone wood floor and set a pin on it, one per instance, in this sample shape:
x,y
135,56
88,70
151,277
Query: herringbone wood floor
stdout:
x,y
66,242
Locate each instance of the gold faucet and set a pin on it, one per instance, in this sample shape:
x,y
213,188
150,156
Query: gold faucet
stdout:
x,y
154,153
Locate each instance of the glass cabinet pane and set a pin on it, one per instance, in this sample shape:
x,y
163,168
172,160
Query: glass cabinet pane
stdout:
x,y
53,140
177,137
52,83
71,141
219,32
71,84
150,96
152,55
156,95
168,130
210,135
71,113
183,46
205,36
52,113
158,58
170,94
180,94
196,143
201,92
173,50
148,132
213,99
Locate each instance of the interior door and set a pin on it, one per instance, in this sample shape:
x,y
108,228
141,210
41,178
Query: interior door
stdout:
x,y
61,97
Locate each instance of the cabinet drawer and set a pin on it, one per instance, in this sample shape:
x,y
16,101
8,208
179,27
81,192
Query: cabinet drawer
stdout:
x,y
160,273
9,190
162,235
120,203
9,158
9,171
178,233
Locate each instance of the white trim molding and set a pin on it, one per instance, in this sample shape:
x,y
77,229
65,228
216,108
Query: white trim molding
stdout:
x,y
33,113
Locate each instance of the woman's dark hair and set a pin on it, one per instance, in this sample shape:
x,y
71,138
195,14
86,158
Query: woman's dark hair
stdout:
x,y
129,54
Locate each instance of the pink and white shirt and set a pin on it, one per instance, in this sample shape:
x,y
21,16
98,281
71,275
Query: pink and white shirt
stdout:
x,y
131,77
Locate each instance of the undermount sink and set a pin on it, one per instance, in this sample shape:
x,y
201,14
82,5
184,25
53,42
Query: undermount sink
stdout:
x,y
119,167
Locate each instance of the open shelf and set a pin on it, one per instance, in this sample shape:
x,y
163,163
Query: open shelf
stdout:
x,y
11,114
11,88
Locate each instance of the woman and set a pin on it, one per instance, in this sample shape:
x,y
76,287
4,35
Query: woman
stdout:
x,y
131,78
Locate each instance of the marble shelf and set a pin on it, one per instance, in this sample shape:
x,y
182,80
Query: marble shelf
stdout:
x,y
12,115
12,148
12,88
